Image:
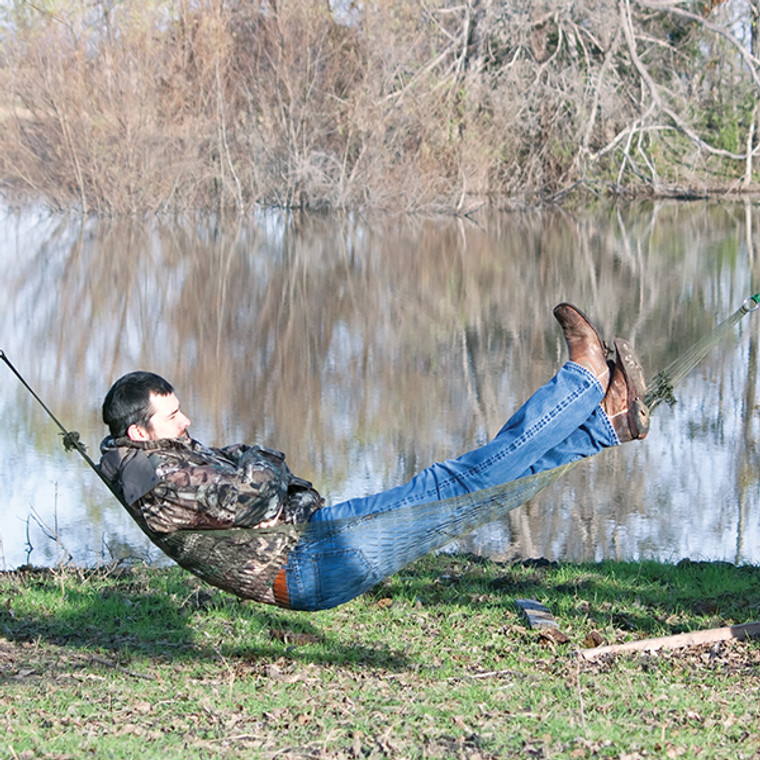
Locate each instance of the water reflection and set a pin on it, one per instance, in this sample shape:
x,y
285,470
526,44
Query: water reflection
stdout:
x,y
368,348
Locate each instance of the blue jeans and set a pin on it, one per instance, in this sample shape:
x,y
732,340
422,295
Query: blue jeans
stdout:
x,y
560,423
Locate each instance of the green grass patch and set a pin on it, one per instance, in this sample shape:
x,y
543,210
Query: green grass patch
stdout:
x,y
437,662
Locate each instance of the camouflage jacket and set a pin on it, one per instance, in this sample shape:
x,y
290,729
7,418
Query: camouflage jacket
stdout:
x,y
180,484
195,503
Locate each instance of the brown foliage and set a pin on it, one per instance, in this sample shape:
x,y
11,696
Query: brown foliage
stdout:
x,y
221,104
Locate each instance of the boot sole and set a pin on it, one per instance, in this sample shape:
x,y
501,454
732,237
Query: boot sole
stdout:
x,y
633,373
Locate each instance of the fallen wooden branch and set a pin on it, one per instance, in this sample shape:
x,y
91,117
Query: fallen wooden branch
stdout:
x,y
677,641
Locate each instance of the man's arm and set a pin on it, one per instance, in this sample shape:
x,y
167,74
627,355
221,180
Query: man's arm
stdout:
x,y
203,497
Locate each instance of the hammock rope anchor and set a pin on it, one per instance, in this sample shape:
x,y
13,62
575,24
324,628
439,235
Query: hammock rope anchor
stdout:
x,y
661,386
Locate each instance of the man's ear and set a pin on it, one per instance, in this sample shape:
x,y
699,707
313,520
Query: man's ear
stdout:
x,y
137,432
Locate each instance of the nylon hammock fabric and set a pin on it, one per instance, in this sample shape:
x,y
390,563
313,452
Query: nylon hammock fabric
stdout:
x,y
209,554
220,557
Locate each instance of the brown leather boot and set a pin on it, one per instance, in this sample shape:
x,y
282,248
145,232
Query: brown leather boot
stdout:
x,y
583,342
624,400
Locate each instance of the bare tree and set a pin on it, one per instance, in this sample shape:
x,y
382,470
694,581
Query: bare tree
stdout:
x,y
433,106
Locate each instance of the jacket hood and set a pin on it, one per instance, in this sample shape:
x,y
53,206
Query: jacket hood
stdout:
x,y
128,464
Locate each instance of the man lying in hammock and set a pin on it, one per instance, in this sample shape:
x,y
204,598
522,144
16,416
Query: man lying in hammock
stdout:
x,y
238,517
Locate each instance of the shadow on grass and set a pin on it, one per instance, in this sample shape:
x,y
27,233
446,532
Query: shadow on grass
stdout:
x,y
167,614
648,598
164,614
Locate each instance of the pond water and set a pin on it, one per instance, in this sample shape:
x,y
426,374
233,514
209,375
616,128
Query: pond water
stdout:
x,y
368,348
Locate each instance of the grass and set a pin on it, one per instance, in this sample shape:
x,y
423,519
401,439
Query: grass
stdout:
x,y
436,662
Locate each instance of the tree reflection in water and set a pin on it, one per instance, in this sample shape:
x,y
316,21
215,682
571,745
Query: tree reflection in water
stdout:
x,y
366,349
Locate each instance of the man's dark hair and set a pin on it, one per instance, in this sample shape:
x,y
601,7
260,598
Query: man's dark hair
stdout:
x,y
128,401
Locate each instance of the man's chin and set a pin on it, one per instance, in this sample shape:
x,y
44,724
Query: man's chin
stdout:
x,y
183,438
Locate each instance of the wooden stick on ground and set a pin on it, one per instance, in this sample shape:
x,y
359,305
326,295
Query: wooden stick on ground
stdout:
x,y
708,636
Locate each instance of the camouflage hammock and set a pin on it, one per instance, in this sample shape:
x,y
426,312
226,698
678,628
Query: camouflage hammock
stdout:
x,y
222,557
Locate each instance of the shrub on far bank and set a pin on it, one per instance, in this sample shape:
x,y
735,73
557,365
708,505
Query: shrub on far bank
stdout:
x,y
154,106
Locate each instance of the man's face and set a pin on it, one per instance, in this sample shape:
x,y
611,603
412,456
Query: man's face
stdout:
x,y
167,420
